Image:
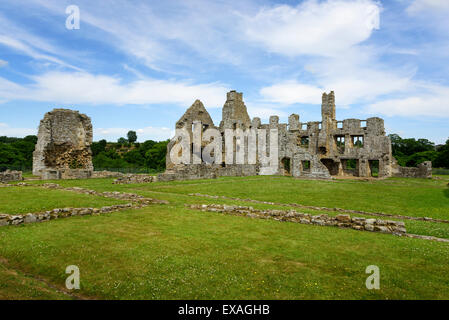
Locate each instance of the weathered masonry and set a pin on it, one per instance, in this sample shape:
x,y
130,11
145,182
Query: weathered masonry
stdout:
x,y
63,146
317,149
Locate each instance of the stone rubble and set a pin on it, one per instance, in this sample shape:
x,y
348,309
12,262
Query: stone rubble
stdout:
x,y
16,219
340,220
378,214
9,176
135,178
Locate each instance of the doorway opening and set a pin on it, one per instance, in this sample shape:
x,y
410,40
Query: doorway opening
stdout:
x,y
286,167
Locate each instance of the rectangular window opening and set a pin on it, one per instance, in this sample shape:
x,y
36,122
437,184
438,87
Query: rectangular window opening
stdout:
x,y
357,141
305,166
340,143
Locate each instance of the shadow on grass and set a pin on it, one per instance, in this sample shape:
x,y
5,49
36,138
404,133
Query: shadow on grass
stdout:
x,y
446,191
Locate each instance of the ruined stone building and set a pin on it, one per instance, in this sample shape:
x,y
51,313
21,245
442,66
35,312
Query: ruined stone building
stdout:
x,y
317,149
63,146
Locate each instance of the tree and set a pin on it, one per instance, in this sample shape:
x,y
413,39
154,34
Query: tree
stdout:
x,y
420,157
132,136
442,159
122,141
98,147
409,152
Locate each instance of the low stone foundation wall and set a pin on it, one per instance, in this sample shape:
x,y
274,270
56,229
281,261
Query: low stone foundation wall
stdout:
x,y
136,200
9,176
191,172
107,174
341,220
135,178
16,219
56,174
423,170
109,194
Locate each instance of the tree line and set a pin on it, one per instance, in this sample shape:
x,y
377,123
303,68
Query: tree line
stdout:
x,y
411,152
124,155
128,155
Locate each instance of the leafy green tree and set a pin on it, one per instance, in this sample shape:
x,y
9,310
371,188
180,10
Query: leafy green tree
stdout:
x,y
405,150
420,157
442,159
135,158
122,141
98,147
132,136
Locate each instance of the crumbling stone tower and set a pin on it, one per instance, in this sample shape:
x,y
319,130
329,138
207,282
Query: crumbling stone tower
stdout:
x,y
234,113
63,146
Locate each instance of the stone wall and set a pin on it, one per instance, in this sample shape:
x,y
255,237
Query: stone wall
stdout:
x,y
135,178
341,220
9,176
423,170
63,146
107,174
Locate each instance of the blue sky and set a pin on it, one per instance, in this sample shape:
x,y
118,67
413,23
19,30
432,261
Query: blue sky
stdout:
x,y
137,65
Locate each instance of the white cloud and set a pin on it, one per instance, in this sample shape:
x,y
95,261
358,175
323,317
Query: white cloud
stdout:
x,y
425,100
358,85
79,88
419,6
319,28
291,92
264,111
154,31
3,63
6,130
143,134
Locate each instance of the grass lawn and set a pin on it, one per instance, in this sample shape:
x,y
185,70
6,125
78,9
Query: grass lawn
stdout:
x,y
171,252
34,199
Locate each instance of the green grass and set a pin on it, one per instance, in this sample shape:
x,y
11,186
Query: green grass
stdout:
x,y
412,197
33,199
16,285
171,252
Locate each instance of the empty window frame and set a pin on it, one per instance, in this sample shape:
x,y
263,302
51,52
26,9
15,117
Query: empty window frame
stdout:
x,y
340,142
304,141
357,141
306,165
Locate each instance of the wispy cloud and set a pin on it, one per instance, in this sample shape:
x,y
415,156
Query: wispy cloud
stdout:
x,y
85,88
435,6
22,41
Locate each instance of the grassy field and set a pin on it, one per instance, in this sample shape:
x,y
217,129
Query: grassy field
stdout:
x,y
34,199
171,252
